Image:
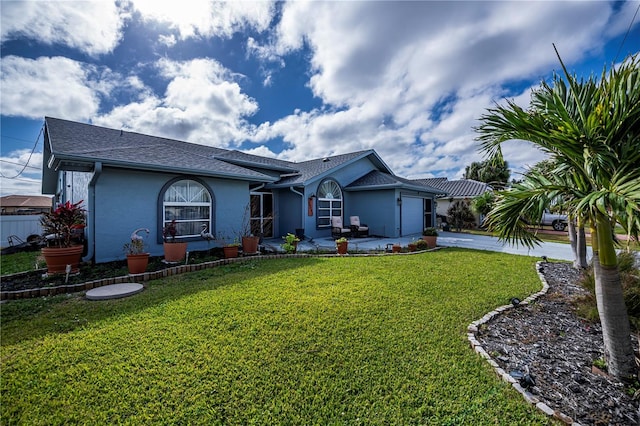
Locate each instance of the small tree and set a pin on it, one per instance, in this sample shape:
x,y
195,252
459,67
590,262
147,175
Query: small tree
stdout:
x,y
483,204
494,171
460,215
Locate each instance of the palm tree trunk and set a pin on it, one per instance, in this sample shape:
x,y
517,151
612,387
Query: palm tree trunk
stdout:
x,y
581,249
578,241
573,239
616,331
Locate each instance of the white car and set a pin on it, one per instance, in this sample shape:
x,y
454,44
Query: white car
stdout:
x,y
557,221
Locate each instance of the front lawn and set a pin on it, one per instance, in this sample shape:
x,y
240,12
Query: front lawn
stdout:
x,y
353,340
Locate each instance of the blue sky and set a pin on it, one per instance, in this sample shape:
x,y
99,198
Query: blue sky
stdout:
x,y
293,80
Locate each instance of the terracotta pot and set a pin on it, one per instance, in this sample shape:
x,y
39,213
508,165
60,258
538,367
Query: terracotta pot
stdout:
x,y
431,240
412,247
397,248
58,258
230,252
137,263
250,245
175,252
342,247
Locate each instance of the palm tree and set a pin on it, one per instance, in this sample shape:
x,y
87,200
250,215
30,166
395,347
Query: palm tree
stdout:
x,y
591,129
577,236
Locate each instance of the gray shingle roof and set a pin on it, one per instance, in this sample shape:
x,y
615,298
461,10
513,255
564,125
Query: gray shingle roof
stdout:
x,y
250,160
316,169
376,179
457,188
77,142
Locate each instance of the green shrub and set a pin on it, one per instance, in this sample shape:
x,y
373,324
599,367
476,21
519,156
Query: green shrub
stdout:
x,y
422,245
630,277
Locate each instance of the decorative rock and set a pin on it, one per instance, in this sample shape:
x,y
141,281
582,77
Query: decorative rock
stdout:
x,y
545,408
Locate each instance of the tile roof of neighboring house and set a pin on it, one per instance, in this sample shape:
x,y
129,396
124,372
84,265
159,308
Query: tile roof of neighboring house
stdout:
x,y
457,188
376,179
79,145
26,201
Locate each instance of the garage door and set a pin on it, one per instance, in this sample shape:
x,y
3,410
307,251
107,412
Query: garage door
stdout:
x,y
412,215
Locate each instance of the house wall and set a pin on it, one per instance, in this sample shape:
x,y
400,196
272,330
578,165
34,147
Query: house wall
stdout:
x,y
377,209
288,208
126,200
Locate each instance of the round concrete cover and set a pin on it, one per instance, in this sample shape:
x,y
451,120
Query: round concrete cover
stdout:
x,y
114,291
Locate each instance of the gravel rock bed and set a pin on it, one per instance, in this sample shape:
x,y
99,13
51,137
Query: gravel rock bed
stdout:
x,y
557,348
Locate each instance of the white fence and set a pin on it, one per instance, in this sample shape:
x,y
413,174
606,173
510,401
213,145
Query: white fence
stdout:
x,y
21,226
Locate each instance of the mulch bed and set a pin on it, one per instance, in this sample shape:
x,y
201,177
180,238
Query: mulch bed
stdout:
x,y
558,349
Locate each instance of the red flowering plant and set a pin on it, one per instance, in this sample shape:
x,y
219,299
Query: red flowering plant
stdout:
x,y
170,231
64,226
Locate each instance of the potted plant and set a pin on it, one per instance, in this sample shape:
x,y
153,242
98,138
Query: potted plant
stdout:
x,y
290,244
249,241
137,258
430,235
231,249
341,245
396,248
174,251
412,246
421,245
63,231
250,244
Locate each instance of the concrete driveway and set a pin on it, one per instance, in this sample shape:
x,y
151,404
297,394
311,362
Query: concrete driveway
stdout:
x,y
557,251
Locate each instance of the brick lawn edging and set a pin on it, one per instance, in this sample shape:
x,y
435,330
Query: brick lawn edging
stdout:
x,y
175,270
477,347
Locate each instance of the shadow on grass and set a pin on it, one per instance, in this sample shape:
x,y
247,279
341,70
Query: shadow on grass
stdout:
x,y
28,319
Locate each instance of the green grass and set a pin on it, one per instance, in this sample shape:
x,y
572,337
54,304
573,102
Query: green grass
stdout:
x,y
20,262
354,340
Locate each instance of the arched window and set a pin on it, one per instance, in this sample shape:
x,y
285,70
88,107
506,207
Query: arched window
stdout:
x,y
329,202
190,204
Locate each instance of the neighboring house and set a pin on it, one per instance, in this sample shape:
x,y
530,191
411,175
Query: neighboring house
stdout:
x,y
20,220
456,190
25,204
129,180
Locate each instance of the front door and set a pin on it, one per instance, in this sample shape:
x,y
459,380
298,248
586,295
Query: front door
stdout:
x,y
262,214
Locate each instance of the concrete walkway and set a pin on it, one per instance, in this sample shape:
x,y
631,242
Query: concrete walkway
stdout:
x,y
558,251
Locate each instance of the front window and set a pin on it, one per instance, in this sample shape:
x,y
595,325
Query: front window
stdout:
x,y
188,203
329,203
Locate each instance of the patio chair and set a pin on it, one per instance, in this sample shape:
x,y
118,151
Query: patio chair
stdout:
x,y
337,228
358,229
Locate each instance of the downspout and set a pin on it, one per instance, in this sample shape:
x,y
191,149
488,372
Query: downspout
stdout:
x,y
91,249
302,207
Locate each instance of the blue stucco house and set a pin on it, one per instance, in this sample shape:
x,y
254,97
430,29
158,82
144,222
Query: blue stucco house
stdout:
x,y
130,180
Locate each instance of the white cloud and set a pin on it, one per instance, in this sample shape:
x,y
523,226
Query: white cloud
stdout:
x,y
204,18
394,62
202,104
17,179
55,86
94,27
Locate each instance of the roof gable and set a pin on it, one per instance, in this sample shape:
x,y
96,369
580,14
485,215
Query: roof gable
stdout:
x,y
377,179
313,170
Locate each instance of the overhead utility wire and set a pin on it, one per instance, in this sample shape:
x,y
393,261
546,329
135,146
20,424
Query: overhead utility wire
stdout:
x,y
627,33
28,159
19,164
